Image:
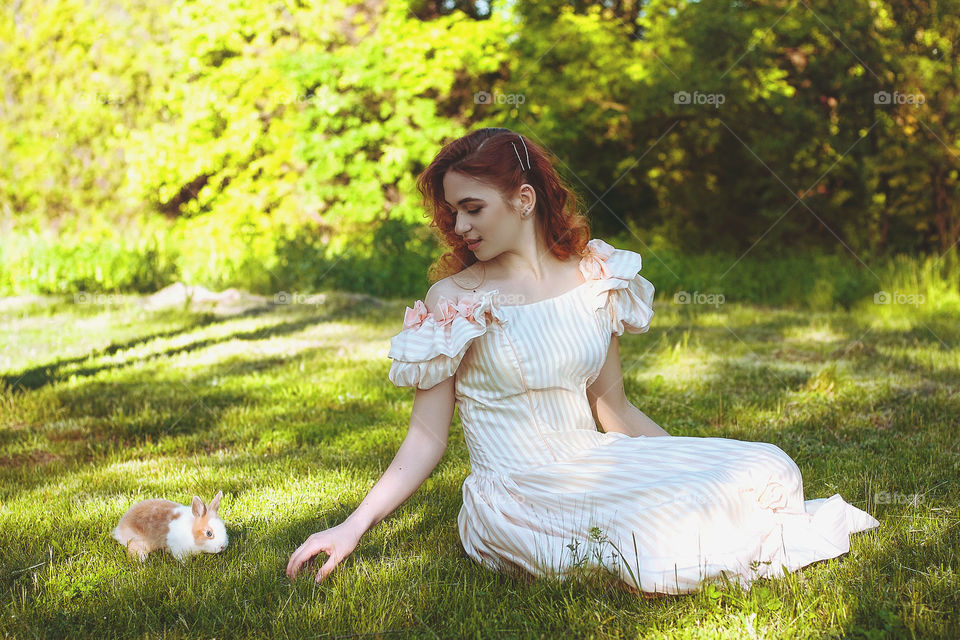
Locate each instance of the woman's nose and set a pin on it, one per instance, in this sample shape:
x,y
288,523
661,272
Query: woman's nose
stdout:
x,y
461,226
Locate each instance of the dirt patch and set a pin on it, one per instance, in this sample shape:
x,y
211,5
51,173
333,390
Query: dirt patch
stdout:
x,y
789,354
37,457
855,349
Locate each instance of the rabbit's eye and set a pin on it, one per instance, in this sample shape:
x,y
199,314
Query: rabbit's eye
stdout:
x,y
209,533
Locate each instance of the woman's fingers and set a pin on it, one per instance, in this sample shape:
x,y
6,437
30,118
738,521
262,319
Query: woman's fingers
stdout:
x,y
293,565
326,568
337,542
307,550
333,560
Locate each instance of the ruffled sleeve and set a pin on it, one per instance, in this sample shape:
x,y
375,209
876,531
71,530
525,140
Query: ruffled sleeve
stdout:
x,y
430,346
625,295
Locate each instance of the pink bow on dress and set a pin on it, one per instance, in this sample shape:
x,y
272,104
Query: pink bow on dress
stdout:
x,y
466,307
447,309
415,317
444,314
593,265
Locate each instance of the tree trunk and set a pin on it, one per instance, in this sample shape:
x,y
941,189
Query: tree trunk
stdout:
x,y
945,211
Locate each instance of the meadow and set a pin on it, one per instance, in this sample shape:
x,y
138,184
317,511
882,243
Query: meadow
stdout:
x,y
287,408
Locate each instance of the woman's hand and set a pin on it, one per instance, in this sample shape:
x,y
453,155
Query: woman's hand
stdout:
x,y
337,542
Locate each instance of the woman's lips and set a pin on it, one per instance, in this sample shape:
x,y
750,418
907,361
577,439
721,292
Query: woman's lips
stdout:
x,y
473,245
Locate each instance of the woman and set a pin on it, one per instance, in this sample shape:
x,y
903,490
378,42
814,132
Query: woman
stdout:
x,y
523,338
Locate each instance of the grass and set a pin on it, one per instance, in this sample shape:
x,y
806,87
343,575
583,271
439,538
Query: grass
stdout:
x,y
288,410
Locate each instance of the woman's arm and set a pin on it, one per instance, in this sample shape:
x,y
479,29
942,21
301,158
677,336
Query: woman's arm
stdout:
x,y
415,460
417,457
611,409
421,450
631,421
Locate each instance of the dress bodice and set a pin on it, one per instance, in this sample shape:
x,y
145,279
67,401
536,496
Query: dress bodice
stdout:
x,y
522,370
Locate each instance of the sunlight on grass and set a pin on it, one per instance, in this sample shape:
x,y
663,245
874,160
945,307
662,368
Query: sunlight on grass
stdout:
x,y
290,413
811,335
676,364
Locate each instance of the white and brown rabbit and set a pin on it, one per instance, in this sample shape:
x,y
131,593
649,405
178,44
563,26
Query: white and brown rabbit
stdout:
x,y
161,524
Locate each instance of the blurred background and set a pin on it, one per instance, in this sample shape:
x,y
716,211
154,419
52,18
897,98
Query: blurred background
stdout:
x,y
784,152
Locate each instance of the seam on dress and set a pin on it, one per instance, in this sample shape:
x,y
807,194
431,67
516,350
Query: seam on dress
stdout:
x,y
526,393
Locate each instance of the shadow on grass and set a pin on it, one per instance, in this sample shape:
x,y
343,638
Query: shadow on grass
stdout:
x,y
42,375
102,419
45,374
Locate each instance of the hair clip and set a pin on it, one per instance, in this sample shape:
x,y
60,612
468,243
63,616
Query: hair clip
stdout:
x,y
518,153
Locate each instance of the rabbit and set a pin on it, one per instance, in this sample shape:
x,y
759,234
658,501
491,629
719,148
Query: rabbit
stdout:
x,y
161,524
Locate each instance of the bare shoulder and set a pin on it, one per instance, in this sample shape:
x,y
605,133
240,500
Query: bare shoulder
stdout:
x,y
444,288
449,288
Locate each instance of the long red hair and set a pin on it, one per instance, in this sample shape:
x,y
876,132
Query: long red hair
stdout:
x,y
488,155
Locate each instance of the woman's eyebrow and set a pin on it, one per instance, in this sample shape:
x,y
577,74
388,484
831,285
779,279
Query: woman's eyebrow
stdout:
x,y
467,199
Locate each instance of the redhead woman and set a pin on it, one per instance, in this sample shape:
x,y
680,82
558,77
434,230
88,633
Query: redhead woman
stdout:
x,y
520,332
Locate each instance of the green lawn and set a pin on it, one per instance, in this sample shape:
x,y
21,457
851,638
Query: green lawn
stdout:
x,y
289,411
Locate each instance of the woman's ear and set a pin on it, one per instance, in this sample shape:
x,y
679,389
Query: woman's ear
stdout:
x,y
526,198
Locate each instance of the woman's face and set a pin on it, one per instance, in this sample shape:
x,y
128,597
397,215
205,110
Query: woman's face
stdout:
x,y
483,214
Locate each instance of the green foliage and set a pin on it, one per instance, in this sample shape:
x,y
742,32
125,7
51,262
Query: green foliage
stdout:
x,y
391,261
103,259
264,145
377,111
790,147
815,280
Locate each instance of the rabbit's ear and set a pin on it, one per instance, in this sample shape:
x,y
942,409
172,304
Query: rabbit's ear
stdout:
x,y
199,509
215,503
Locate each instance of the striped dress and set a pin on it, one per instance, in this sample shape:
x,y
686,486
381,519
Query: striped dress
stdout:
x,y
548,491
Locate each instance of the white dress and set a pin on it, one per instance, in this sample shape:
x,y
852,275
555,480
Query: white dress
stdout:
x,y
548,491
